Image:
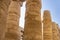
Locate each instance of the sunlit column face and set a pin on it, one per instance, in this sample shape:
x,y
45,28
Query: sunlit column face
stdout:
x,y
13,21
32,28
47,26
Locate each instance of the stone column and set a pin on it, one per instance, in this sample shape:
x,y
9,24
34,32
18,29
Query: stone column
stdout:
x,y
59,32
47,26
12,32
55,31
33,26
4,4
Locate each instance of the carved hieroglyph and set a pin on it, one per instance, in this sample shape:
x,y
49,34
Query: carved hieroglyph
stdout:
x,y
47,26
4,4
12,32
33,28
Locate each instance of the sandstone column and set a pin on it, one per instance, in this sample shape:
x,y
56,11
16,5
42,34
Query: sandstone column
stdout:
x,y
13,20
59,32
33,28
4,4
47,26
55,31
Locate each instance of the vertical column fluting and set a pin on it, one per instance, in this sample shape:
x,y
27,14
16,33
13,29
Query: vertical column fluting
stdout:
x,y
33,26
4,4
47,26
12,32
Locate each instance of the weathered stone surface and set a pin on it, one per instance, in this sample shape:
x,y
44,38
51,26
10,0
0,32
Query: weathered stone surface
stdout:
x,y
33,28
12,32
4,4
59,32
47,26
55,31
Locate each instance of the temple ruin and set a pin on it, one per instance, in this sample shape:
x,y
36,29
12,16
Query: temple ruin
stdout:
x,y
55,31
33,27
13,16
10,12
4,4
47,26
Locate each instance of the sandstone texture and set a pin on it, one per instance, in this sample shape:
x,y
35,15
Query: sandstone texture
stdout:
x,y
59,32
47,26
12,32
4,4
55,31
33,26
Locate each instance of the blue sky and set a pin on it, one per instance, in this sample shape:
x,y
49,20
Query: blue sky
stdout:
x,y
52,5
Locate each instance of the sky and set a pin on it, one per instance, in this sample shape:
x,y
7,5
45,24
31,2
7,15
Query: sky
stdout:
x,y
52,5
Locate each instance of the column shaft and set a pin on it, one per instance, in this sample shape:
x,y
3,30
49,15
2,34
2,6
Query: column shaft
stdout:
x,y
13,21
59,32
33,26
4,4
55,31
47,26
